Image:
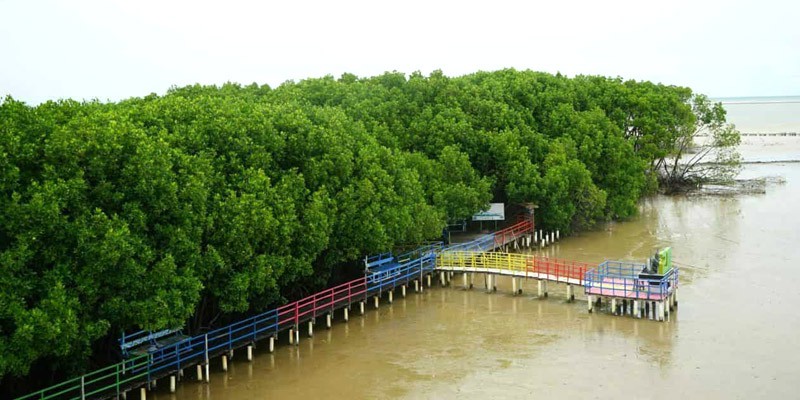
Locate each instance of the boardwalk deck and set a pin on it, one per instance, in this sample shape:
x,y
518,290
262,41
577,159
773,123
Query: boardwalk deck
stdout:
x,y
383,272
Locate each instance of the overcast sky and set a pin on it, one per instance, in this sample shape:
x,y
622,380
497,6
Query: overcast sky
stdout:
x,y
117,49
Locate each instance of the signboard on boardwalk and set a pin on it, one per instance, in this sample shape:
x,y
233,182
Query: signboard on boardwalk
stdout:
x,y
496,212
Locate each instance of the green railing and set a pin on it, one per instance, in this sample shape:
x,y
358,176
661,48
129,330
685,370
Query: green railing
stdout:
x,y
105,382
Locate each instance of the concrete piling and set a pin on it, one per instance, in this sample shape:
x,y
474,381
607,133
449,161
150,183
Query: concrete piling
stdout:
x,y
614,305
250,352
377,301
558,235
442,279
328,319
361,307
471,279
416,286
199,373
208,372
143,394
591,303
542,288
391,297
465,281
403,291
429,280
570,293
514,285
346,314
172,383
291,336
271,344
636,310
297,336
311,328
224,363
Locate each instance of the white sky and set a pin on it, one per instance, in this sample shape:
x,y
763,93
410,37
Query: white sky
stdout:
x,y
112,50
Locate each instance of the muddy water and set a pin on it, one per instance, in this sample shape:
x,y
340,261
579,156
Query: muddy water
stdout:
x,y
736,333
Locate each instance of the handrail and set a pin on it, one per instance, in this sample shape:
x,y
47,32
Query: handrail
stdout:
x,y
110,380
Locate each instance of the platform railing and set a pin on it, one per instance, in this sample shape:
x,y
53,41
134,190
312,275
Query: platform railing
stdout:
x,y
625,279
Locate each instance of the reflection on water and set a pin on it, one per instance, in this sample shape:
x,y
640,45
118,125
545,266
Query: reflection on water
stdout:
x,y
734,335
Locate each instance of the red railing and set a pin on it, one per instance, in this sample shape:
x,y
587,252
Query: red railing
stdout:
x,y
559,268
513,232
293,314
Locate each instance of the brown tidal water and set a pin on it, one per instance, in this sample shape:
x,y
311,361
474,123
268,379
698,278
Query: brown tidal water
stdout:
x,y
736,333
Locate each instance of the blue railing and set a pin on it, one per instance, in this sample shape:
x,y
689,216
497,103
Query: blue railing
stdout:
x,y
127,342
378,260
629,280
401,273
483,243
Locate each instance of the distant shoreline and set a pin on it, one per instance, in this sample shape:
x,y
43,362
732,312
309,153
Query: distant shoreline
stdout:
x,y
759,100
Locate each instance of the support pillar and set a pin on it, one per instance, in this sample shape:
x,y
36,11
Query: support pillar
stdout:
x,y
377,301
297,336
291,336
535,237
558,235
429,280
442,278
591,303
391,297
143,394
224,363
570,293
271,344
614,305
250,352
403,291
636,309
416,285
346,315
199,373
465,282
361,307
311,328
490,283
542,288
208,374
471,279
514,285
328,321
172,383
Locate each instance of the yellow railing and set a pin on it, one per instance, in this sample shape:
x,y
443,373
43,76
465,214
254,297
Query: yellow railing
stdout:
x,y
485,260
